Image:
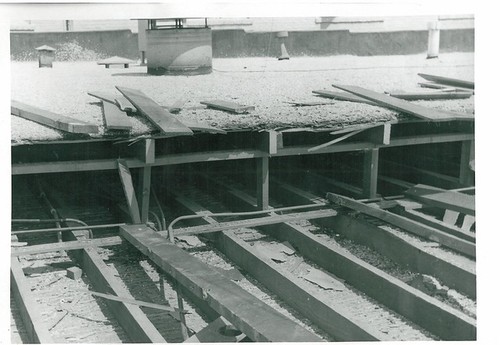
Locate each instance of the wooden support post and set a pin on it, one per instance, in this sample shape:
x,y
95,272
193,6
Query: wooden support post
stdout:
x,y
467,155
145,191
263,183
370,173
128,189
32,319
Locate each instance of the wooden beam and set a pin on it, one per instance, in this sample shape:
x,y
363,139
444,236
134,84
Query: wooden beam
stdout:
x,y
448,200
427,232
343,96
214,332
50,119
229,106
394,247
432,95
145,192
246,312
404,106
115,119
262,182
128,189
158,116
370,173
31,316
115,99
402,298
334,141
70,245
448,81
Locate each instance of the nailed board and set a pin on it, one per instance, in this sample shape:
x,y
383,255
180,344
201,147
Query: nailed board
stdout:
x,y
158,116
404,106
51,119
409,96
343,96
256,319
449,200
119,100
114,118
448,81
228,106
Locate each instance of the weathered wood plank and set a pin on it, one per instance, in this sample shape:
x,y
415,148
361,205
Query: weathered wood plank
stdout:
x,y
448,200
343,96
50,119
404,106
246,312
228,106
70,245
213,333
370,173
448,81
412,96
158,116
458,244
30,314
114,118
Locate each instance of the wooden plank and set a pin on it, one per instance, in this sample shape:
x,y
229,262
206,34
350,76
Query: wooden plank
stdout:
x,y
448,81
256,319
394,247
273,219
112,98
262,182
334,141
343,96
435,223
128,189
292,290
31,316
449,200
228,106
427,232
51,119
201,127
412,96
144,192
158,116
309,104
404,106
70,245
422,309
115,119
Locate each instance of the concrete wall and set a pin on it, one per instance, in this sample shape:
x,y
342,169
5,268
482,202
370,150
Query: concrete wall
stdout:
x,y
238,43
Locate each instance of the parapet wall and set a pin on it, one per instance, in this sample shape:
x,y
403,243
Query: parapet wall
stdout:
x,y
238,43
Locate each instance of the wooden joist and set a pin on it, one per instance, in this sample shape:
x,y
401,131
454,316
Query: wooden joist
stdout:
x,y
412,96
228,106
158,116
70,245
404,106
343,96
458,244
448,200
31,316
114,118
51,119
246,312
448,81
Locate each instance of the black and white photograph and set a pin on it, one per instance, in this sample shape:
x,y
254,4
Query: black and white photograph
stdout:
x,y
256,172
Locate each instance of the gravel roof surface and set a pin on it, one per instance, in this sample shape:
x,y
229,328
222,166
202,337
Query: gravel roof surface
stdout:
x,y
265,83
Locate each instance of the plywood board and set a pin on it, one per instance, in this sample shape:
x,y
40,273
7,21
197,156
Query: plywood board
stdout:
x,y
114,118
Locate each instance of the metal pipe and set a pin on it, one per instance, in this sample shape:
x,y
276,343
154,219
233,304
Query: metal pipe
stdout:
x,y
36,220
162,215
251,213
155,216
102,226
